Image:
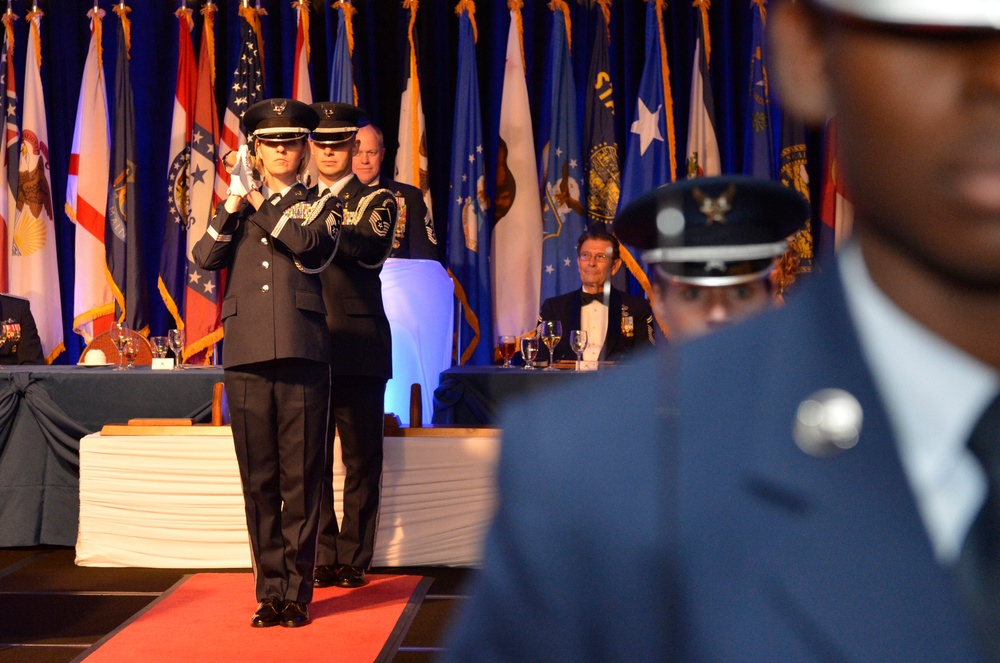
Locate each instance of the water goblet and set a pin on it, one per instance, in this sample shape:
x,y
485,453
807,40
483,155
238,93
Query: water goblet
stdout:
x,y
529,349
551,333
159,346
578,343
131,351
508,346
120,334
175,339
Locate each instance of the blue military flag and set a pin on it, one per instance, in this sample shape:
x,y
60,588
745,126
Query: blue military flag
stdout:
x,y
758,155
468,223
603,168
123,232
563,216
342,86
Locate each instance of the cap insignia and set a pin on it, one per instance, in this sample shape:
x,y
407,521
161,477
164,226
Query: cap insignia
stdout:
x,y
328,112
715,209
278,106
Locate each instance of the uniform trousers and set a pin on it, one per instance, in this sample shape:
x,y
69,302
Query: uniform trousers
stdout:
x,y
357,413
278,410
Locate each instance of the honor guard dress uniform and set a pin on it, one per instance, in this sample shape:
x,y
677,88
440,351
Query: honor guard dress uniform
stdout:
x,y
18,332
276,359
414,236
361,360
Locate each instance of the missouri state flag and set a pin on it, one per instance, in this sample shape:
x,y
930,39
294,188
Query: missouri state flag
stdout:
x,y
123,227
34,269
87,192
468,208
563,215
202,312
172,280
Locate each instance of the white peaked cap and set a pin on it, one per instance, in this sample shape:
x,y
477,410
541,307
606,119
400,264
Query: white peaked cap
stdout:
x,y
977,14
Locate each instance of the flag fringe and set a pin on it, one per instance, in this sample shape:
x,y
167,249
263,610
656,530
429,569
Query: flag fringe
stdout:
x,y
90,316
208,32
668,97
605,6
122,12
560,5
470,318
303,10
8,23
413,5
761,7
32,15
515,7
469,6
169,302
96,17
703,6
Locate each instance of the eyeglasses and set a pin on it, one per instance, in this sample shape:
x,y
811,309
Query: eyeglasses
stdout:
x,y
598,257
371,154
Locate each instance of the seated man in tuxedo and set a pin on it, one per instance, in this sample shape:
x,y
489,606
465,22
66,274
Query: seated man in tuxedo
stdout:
x,y
21,344
616,322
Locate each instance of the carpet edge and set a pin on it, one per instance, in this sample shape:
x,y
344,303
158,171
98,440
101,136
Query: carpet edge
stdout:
x,y
399,631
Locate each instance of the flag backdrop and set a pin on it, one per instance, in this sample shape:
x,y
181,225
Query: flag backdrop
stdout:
x,y
563,216
411,157
123,229
468,223
702,146
8,157
34,272
172,281
836,213
301,84
201,300
795,174
87,192
517,235
342,86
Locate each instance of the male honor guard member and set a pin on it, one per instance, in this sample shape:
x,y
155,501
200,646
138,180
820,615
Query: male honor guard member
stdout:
x,y
361,347
820,482
716,241
274,239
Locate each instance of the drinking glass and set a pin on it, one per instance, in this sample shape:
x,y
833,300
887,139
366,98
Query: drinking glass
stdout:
x,y
120,334
159,344
175,338
578,342
551,333
508,346
529,348
131,352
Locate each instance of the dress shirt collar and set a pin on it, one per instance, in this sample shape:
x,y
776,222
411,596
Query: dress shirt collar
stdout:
x,y
336,187
934,394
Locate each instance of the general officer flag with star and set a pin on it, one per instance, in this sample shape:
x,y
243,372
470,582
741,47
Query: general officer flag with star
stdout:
x,y
563,216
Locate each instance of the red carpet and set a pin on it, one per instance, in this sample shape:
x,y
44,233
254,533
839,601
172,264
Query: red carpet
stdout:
x,y
206,617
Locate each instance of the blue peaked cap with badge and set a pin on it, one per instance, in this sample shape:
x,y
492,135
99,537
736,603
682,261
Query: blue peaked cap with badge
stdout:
x,y
337,122
953,14
713,231
279,119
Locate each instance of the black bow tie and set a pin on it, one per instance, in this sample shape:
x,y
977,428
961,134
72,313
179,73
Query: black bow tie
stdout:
x,y
587,297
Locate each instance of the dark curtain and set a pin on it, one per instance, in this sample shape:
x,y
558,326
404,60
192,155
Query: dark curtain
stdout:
x,y
380,51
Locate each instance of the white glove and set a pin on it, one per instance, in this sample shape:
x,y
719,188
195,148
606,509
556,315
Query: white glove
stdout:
x,y
241,179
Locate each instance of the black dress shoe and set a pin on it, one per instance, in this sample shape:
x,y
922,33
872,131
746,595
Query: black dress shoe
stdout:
x,y
326,575
295,614
351,576
268,613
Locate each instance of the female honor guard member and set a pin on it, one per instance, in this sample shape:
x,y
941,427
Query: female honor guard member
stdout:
x,y
274,240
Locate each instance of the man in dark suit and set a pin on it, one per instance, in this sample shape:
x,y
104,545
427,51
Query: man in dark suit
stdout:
x,y
361,361
616,322
818,483
273,239
414,236
19,335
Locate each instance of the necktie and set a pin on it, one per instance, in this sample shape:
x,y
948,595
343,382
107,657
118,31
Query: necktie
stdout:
x,y
978,568
587,297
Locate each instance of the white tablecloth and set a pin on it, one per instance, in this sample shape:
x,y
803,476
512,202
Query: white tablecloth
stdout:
x,y
419,301
176,502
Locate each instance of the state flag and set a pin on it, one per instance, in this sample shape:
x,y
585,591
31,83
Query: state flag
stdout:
x,y
411,157
8,153
703,146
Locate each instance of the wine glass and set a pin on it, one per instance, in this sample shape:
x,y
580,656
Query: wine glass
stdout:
x,y
529,349
551,333
120,334
578,342
508,346
175,339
